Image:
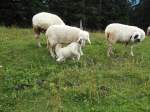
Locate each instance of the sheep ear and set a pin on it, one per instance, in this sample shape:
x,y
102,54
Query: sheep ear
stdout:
x,y
136,36
78,40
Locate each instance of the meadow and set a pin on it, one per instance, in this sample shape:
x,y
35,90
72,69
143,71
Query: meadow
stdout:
x,y
31,81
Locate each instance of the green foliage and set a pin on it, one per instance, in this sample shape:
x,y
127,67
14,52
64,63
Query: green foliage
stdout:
x,y
95,14
20,12
31,81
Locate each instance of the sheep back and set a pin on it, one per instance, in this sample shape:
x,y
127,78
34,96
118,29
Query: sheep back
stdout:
x,y
44,20
62,33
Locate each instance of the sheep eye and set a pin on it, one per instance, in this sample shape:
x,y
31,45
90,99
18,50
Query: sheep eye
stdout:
x,y
136,36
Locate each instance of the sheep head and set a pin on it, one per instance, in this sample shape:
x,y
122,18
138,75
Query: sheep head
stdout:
x,y
137,37
84,35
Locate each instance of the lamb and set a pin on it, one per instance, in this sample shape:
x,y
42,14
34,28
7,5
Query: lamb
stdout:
x,y
63,34
42,21
148,31
70,51
126,34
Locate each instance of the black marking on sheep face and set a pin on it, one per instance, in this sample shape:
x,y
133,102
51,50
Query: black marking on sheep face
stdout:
x,y
135,37
137,40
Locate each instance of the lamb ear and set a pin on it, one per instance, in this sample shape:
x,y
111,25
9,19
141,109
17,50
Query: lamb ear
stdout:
x,y
80,42
78,39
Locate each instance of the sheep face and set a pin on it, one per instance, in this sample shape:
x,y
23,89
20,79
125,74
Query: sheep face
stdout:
x,y
84,35
137,37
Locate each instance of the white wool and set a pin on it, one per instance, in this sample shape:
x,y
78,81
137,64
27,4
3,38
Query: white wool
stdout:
x,y
70,51
44,20
123,32
148,31
116,32
66,34
60,34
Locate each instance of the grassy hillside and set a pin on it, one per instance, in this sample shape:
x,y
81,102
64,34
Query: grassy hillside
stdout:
x,y
31,81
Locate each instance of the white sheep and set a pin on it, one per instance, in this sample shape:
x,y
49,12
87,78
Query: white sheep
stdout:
x,y
148,31
42,21
126,34
63,34
70,51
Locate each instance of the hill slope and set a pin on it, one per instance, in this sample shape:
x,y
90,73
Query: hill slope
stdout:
x,y
31,81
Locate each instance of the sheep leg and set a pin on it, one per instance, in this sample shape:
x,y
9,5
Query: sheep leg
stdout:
x,y
131,52
47,43
109,51
52,53
81,52
148,33
77,55
38,41
37,36
50,50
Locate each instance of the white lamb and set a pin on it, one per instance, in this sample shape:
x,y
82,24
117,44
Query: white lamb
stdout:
x,y
148,31
63,34
70,51
126,34
42,21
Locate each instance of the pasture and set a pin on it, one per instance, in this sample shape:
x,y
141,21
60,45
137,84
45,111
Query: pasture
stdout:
x,y
31,81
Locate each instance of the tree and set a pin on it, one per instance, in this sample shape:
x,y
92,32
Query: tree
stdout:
x,y
20,12
96,14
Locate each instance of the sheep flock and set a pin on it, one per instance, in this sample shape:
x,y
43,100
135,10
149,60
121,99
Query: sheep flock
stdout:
x,y
64,41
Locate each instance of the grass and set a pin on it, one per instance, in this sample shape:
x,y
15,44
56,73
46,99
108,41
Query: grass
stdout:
x,y
31,81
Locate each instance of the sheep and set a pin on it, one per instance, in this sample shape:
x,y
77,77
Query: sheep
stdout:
x,y
148,31
70,51
42,21
64,34
126,34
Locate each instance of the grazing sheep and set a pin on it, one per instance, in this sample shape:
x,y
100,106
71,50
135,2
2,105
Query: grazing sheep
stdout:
x,y
63,34
72,50
42,21
148,31
126,34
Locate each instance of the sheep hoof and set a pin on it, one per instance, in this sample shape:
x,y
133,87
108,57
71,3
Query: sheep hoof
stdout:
x,y
132,55
108,55
53,56
78,58
39,45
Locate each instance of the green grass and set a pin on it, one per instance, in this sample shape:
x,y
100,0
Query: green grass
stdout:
x,y
31,81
